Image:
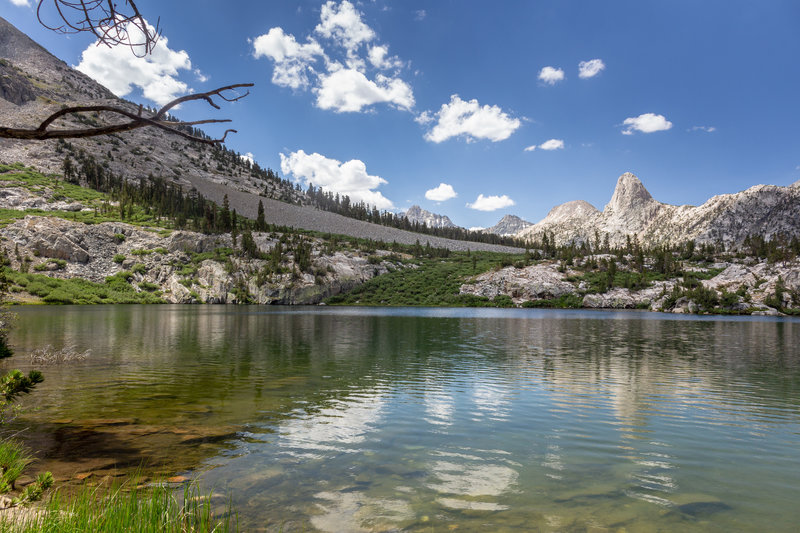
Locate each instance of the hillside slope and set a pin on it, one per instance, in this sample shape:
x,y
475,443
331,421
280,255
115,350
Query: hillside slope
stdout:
x,y
34,84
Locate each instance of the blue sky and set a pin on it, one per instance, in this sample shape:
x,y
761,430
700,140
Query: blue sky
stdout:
x,y
388,100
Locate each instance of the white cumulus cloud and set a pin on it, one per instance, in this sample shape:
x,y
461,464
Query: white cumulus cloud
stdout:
x,y
707,129
491,203
441,193
470,120
350,90
155,74
552,144
551,75
591,68
343,24
424,118
21,3
247,157
349,178
352,74
379,58
646,123
293,61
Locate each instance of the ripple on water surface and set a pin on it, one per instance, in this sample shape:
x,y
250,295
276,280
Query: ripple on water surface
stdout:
x,y
473,420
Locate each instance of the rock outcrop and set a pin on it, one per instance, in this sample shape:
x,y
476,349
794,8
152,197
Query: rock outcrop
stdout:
x,y
167,262
753,285
14,87
537,282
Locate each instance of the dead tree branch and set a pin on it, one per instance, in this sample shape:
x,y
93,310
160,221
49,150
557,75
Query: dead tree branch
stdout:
x,y
136,120
105,20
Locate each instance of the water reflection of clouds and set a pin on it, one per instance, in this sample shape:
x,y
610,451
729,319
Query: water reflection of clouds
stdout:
x,y
350,512
492,400
439,403
439,408
340,426
472,480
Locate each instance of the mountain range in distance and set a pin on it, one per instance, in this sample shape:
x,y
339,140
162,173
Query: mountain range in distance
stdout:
x,y
766,210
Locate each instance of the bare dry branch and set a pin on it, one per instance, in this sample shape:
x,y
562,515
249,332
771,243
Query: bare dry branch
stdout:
x,y
105,20
136,120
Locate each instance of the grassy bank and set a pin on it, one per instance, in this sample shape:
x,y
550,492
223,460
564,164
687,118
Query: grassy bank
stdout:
x,y
125,507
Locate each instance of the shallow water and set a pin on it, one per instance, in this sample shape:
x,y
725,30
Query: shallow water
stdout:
x,y
343,419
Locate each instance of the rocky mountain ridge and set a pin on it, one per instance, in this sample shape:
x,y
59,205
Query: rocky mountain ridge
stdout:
x,y
765,210
416,215
508,226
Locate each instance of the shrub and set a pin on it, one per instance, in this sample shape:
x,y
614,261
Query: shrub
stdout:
x,y
147,286
58,296
705,298
503,300
119,258
565,301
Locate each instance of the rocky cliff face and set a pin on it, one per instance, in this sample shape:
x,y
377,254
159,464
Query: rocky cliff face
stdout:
x,y
508,226
165,262
415,214
766,210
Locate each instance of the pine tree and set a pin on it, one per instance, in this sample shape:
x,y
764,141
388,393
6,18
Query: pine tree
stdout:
x,y
225,216
261,224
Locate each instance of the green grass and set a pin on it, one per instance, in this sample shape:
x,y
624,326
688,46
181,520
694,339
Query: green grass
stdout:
x,y
115,290
597,280
17,175
708,274
126,507
435,282
14,458
219,254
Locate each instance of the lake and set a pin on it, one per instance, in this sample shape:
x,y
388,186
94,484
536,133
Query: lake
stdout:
x,y
384,419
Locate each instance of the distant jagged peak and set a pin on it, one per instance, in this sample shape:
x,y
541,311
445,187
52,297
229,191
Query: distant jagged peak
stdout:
x,y
576,209
509,225
414,210
795,185
416,214
628,194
